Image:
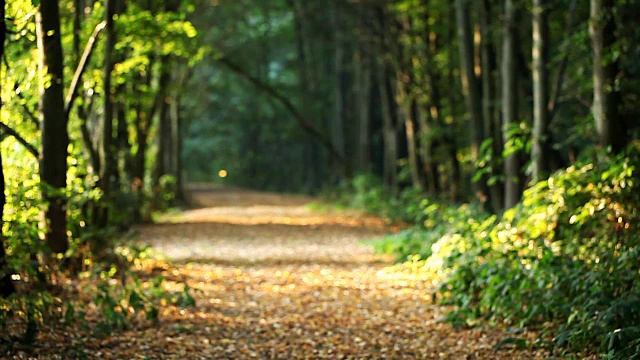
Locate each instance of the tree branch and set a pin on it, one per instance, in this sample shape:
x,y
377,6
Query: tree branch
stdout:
x,y
301,119
82,66
28,111
9,131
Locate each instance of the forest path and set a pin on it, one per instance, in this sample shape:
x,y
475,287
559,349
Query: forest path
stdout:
x,y
276,280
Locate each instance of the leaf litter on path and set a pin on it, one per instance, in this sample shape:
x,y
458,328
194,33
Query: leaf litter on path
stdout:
x,y
275,280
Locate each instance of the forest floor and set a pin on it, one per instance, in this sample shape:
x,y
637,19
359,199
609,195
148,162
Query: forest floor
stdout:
x,y
273,279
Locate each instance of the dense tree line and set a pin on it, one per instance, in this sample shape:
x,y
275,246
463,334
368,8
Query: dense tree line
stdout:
x,y
88,88
469,99
108,106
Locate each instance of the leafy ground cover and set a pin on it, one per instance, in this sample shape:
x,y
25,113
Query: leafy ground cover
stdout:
x,y
267,278
564,260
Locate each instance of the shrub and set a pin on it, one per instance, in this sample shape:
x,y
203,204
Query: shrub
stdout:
x,y
568,254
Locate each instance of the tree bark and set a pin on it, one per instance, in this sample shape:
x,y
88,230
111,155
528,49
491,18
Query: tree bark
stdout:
x,y
540,53
6,285
55,138
606,95
509,103
337,120
390,160
470,87
107,149
362,89
490,112
163,161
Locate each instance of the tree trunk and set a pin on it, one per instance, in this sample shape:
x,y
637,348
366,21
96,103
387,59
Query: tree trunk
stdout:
x,y
409,110
106,149
470,87
164,124
606,94
455,172
490,113
540,54
55,138
509,103
337,120
6,285
362,90
390,162
177,147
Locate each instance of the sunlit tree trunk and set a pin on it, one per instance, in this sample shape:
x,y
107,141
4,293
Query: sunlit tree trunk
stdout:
x,y
509,103
6,285
606,95
540,54
55,138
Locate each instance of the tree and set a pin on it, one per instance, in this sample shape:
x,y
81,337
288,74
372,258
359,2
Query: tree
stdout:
x,y
606,94
509,103
106,149
470,85
490,111
540,53
55,138
6,285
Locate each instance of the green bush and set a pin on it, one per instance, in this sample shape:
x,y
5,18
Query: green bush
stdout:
x,y
568,255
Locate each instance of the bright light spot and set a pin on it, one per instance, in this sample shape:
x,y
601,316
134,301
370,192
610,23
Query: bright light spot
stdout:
x,y
15,277
223,173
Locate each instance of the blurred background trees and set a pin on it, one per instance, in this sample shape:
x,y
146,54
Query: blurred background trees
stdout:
x,y
110,107
470,100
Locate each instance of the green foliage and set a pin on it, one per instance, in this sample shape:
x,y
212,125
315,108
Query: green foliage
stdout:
x,y
568,254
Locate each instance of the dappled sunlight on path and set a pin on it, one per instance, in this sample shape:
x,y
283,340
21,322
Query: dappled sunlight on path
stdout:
x,y
274,279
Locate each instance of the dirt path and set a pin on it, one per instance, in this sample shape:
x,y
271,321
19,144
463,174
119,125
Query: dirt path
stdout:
x,y
274,279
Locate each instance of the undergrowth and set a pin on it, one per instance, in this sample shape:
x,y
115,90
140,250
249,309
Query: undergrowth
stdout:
x,y
566,259
102,298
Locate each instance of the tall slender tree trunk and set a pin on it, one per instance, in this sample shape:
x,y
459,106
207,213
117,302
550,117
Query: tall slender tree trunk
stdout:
x,y
362,90
606,96
6,285
430,116
470,87
455,172
106,149
540,53
490,112
337,120
55,138
390,137
163,161
409,110
177,146
509,103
